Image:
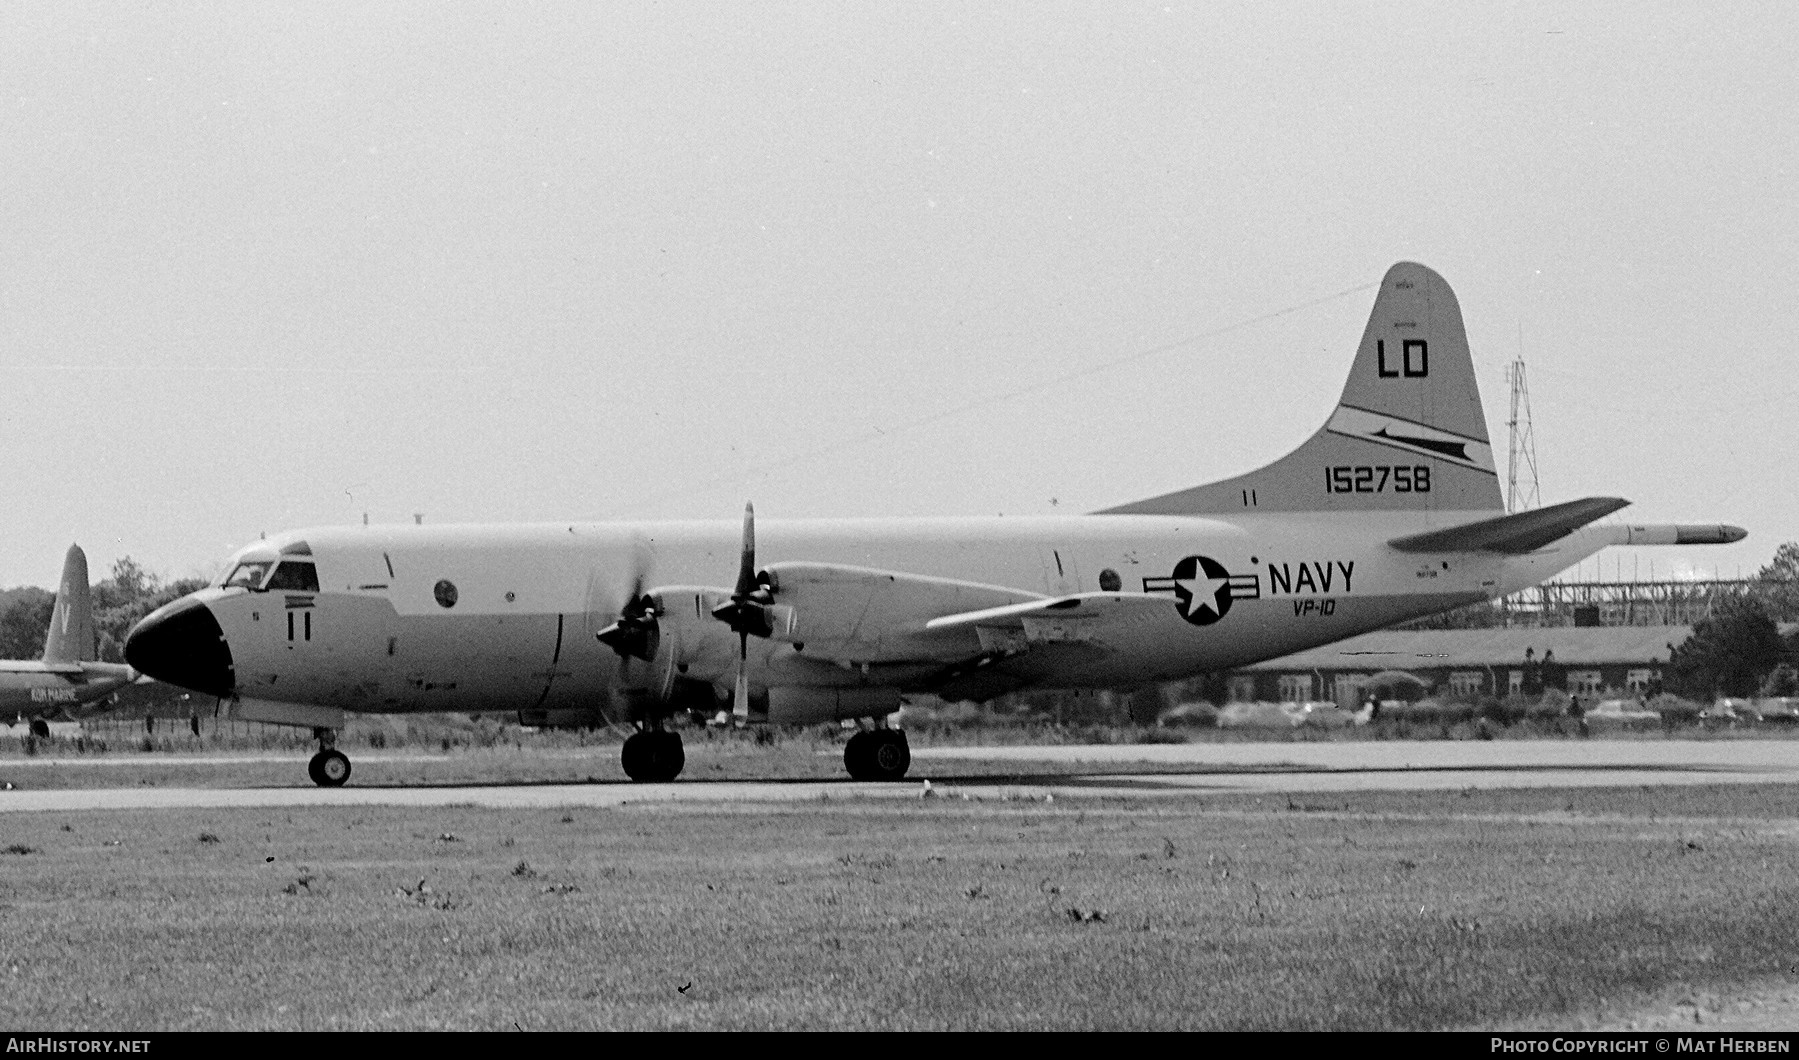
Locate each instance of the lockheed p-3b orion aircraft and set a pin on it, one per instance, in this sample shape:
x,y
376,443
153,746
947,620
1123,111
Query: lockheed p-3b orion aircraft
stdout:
x,y
1392,510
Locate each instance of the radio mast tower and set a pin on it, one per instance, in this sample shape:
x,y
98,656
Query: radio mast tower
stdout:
x,y
1520,496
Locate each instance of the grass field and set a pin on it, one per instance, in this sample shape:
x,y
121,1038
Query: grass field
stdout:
x,y
1399,910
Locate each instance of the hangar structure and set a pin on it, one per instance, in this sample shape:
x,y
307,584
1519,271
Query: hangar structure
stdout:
x,y
1582,660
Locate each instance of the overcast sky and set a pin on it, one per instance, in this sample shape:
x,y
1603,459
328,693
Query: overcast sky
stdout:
x,y
277,265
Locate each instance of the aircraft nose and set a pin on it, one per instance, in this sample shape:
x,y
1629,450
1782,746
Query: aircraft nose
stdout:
x,y
180,643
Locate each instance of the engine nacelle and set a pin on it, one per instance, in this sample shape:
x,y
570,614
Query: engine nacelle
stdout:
x,y
691,653
690,643
793,705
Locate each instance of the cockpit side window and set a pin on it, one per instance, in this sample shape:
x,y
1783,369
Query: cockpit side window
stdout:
x,y
295,576
248,575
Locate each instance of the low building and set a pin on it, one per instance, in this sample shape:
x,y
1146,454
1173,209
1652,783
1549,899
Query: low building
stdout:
x,y
1587,661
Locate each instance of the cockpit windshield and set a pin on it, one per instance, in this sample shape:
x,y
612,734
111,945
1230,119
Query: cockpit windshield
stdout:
x,y
248,575
295,576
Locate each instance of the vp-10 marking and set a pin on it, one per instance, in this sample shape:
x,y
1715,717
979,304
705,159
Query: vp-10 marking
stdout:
x,y
831,620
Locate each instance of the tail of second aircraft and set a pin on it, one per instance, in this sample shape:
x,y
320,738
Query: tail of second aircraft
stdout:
x,y
71,636
1409,432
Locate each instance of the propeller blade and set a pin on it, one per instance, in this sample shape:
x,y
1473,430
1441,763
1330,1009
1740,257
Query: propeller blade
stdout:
x,y
748,611
634,631
740,696
746,568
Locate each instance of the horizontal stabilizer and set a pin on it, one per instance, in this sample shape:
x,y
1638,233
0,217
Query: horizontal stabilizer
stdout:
x,y
1513,534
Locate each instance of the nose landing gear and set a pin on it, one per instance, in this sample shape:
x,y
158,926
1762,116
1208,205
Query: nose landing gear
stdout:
x,y
877,754
330,767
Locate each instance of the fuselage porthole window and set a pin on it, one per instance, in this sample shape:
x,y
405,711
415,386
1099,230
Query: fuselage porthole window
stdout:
x,y
445,591
295,577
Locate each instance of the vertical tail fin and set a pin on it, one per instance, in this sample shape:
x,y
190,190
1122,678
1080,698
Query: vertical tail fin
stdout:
x,y
1409,433
71,637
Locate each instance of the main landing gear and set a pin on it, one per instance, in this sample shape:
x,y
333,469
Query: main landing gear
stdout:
x,y
877,754
653,755
330,767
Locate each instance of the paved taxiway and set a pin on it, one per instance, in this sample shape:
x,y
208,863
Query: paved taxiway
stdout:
x,y
1215,768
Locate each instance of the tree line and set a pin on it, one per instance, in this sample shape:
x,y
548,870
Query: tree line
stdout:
x,y
1739,650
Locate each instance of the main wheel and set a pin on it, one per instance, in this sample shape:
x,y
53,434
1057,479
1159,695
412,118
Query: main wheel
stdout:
x,y
670,757
653,756
882,754
632,756
890,755
856,757
329,769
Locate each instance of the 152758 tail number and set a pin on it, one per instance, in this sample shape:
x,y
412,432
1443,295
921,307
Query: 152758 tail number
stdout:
x,y
1377,478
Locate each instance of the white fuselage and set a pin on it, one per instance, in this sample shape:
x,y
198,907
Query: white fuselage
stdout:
x,y
527,600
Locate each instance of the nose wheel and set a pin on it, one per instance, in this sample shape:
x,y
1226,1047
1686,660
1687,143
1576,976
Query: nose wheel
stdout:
x,y
330,767
878,754
653,756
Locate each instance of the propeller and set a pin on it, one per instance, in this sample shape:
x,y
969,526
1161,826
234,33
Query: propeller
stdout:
x,y
635,632
748,613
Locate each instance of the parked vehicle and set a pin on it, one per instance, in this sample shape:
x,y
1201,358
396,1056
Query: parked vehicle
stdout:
x,y
1778,710
1623,714
1261,715
1326,715
1198,714
1726,712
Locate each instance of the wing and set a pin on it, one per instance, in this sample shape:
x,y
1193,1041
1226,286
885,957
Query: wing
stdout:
x,y
863,615
1083,615
1022,643
962,640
